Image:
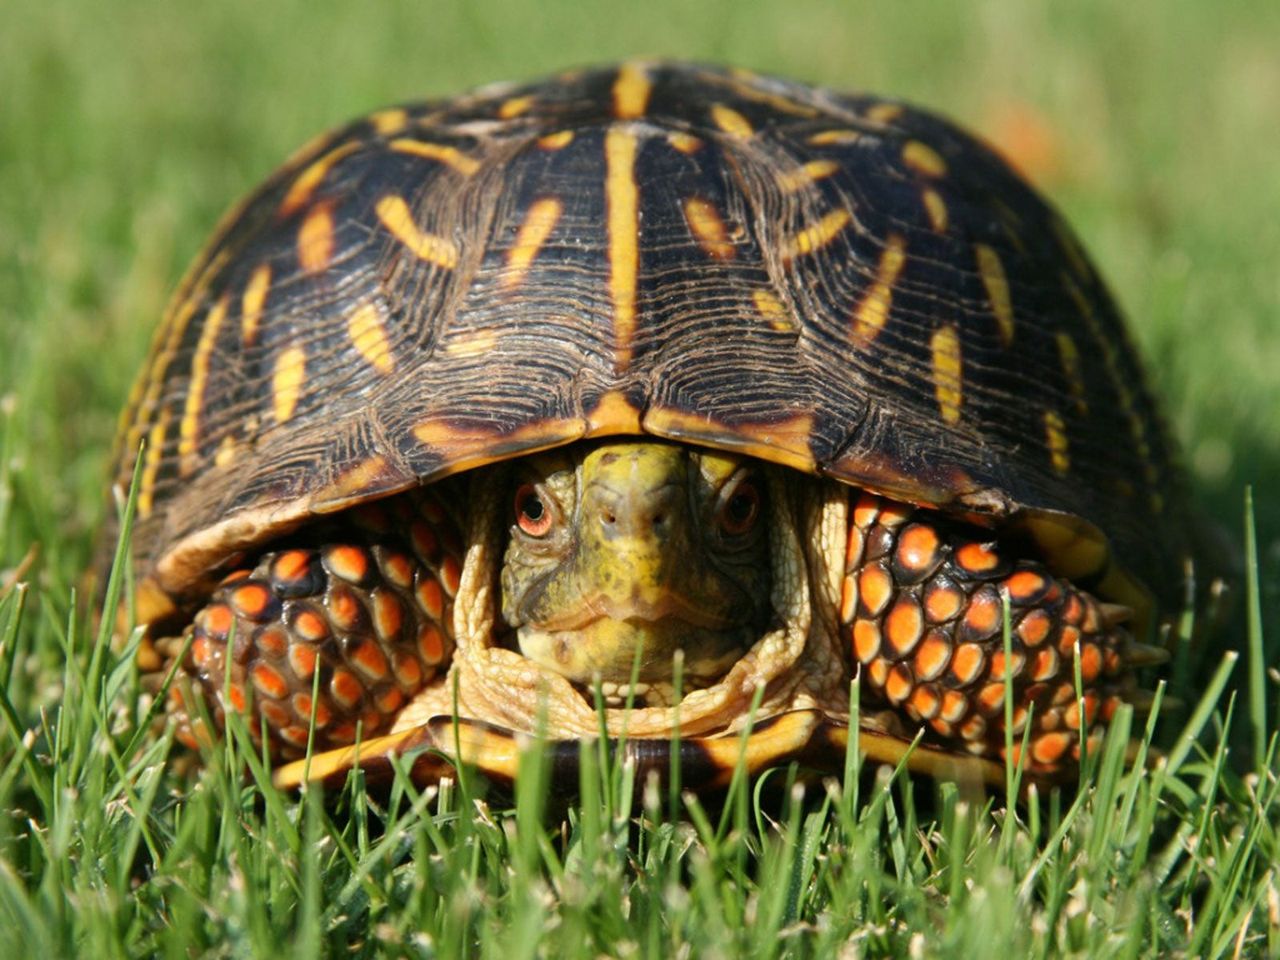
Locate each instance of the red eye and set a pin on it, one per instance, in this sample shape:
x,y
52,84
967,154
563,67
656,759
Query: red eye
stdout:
x,y
741,510
532,514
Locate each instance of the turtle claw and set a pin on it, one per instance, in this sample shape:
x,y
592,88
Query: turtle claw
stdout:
x,y
1138,655
1115,613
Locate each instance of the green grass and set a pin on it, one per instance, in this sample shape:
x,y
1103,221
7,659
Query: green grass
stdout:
x,y
126,128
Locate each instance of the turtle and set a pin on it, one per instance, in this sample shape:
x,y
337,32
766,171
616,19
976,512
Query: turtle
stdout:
x,y
662,399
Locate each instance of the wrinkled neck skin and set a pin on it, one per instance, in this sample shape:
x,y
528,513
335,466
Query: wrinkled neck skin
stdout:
x,y
797,664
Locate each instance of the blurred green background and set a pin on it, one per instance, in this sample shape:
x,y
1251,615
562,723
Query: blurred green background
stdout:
x,y
127,127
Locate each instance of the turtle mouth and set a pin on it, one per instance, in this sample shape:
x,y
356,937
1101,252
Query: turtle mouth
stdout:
x,y
669,610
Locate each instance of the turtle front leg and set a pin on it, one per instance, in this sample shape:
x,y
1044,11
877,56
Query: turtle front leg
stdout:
x,y
356,610
923,610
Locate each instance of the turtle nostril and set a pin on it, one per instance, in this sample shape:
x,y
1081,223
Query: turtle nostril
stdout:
x,y
659,519
609,517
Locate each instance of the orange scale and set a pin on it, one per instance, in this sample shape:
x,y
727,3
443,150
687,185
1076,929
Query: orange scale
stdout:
x,y
269,681
918,549
1073,610
1064,694
991,698
294,735
398,568
985,614
430,597
251,600
866,640
1110,706
349,563
974,729
1053,594
346,689
1044,664
1113,663
431,644
1034,628
344,732
925,701
1019,720
1067,641
1048,748
1092,622
388,615
389,701
272,642
216,620
977,558
904,625
954,706
292,565
369,659
848,598
450,575
408,671
309,625
899,684
1025,585
1051,719
345,608
894,513
967,662
372,721
235,696
875,589
933,656
866,510
942,727
234,576
878,672
854,546
302,661
942,601
202,653
185,737
275,715
1016,662
425,542
1090,662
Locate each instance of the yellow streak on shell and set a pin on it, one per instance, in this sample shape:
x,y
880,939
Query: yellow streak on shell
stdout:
x,y
538,224
368,335
947,374
1055,433
709,229
514,107
315,238
1070,357
286,382
815,236
189,427
251,304
993,278
450,156
557,140
923,159
834,138
386,123
155,452
631,91
686,143
935,209
731,121
396,217
807,173
304,186
871,314
622,200
772,310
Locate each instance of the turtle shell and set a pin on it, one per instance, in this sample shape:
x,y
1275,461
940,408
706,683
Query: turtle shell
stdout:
x,y
839,283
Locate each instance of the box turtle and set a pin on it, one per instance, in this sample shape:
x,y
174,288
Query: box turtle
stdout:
x,y
663,399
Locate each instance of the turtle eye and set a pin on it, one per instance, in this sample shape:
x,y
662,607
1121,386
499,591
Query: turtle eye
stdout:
x,y
532,515
741,509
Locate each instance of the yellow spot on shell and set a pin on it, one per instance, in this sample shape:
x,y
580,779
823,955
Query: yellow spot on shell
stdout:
x,y
315,238
872,312
388,122
686,143
450,156
151,466
923,159
514,107
556,141
1071,247
255,298
349,485
622,201
772,310
396,217
631,91
189,427
473,344
1055,435
1070,357
226,453
815,236
368,335
834,138
614,414
305,185
993,276
802,176
731,121
884,112
538,224
286,382
709,229
947,374
935,209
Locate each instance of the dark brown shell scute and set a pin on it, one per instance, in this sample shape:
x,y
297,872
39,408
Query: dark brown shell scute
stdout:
x,y
840,283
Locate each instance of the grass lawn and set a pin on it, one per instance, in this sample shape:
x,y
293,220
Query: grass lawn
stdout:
x,y
127,128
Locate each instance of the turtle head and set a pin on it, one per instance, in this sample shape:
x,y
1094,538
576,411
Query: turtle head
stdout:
x,y
634,550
